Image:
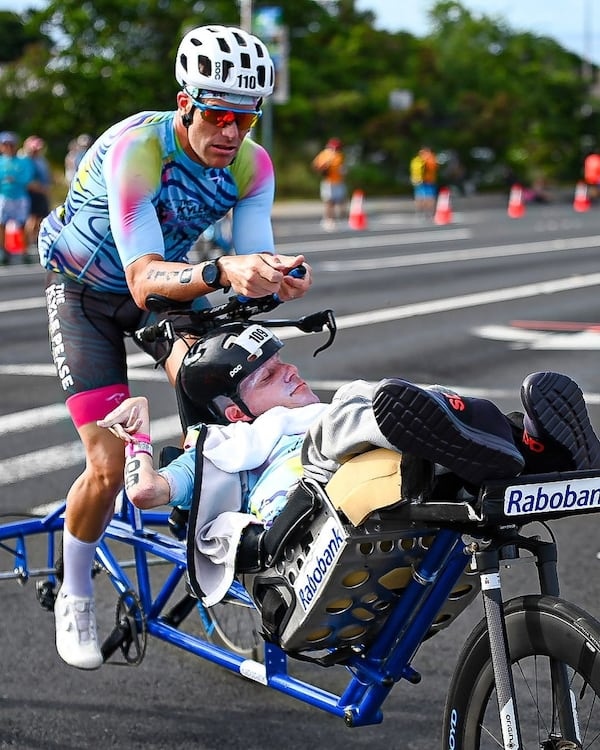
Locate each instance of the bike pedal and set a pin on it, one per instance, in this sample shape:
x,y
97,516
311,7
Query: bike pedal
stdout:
x,y
46,595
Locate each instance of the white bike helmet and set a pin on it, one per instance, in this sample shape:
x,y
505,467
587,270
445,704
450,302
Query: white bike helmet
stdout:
x,y
224,59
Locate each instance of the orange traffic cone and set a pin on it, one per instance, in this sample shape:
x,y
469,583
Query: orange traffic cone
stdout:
x,y
14,238
357,218
516,204
443,212
581,202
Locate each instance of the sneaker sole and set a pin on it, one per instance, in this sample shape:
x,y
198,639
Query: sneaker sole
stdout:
x,y
415,421
556,403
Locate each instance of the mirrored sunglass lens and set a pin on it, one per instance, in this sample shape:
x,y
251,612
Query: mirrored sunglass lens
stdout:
x,y
222,118
246,121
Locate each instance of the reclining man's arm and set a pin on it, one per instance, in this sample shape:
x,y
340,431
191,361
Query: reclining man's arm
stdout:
x,y
130,421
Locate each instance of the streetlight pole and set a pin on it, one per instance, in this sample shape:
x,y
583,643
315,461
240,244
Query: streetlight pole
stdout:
x,y
587,42
246,15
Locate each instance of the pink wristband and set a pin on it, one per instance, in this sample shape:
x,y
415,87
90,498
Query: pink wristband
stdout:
x,y
139,437
132,449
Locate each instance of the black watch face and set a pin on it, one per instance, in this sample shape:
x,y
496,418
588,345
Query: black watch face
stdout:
x,y
210,274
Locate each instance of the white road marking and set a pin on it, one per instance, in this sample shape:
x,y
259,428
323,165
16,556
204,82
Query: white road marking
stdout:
x,y
453,256
57,457
521,338
478,299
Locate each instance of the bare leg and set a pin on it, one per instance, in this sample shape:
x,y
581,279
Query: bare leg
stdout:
x,y
90,505
91,499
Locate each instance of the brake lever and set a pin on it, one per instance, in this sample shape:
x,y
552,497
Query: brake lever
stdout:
x,y
328,319
313,323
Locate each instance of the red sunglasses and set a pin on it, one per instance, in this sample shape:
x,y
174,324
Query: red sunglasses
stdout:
x,y
223,116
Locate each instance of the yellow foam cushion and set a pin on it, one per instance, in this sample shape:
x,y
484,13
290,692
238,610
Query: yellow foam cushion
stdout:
x,y
366,483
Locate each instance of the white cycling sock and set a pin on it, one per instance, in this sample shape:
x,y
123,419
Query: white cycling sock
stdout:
x,y
78,558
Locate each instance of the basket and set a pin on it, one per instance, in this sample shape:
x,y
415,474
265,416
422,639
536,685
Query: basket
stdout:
x,y
333,585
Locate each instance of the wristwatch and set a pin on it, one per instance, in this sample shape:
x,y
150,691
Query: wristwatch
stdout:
x,y
211,273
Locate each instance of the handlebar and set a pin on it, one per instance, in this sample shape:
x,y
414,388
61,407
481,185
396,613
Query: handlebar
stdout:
x,y
180,320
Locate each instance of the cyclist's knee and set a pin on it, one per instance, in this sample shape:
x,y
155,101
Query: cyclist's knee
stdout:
x,y
105,460
103,481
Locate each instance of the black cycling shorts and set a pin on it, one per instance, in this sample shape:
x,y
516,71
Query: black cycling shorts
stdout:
x,y
87,331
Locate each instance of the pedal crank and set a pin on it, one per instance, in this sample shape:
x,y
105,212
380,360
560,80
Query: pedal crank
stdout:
x,y
130,633
45,592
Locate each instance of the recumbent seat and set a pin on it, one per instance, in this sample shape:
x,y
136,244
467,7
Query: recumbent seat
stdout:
x,y
331,584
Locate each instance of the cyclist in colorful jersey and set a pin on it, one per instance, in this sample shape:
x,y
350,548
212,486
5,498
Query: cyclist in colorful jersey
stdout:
x,y
267,429
142,194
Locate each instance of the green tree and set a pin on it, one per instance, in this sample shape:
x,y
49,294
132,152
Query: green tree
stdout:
x,y
15,36
77,67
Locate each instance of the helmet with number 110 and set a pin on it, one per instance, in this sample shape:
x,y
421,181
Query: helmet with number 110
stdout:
x,y
224,59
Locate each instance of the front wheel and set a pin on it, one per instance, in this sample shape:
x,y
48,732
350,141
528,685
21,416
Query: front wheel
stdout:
x,y
538,627
235,626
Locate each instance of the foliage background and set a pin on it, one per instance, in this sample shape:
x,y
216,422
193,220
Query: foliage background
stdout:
x,y
504,105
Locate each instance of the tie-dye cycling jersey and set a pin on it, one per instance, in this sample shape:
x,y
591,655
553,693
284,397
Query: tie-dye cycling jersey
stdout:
x,y
136,192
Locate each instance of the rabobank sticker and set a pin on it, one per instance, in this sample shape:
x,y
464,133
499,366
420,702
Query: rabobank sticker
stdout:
x,y
569,495
320,562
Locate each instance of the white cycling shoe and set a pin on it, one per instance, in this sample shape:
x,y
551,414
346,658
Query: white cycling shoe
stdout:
x,y
76,637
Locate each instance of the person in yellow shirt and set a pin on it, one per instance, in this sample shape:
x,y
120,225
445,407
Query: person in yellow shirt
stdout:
x,y
423,176
329,163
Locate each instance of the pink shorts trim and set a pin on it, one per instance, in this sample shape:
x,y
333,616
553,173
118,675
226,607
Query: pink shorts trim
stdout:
x,y
90,406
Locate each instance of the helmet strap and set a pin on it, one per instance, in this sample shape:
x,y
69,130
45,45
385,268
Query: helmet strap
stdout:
x,y
187,118
238,402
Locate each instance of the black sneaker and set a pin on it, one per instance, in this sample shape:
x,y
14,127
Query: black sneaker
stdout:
x,y
556,408
470,437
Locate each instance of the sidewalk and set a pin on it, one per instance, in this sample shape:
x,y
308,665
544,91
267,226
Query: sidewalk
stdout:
x,y
289,209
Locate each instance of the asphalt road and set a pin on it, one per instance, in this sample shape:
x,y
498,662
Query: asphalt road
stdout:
x,y
475,304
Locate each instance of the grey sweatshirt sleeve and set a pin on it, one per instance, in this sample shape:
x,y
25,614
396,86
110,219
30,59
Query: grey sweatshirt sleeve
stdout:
x,y
345,429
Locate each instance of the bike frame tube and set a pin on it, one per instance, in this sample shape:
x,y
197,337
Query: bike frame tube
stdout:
x,y
360,704
374,672
388,659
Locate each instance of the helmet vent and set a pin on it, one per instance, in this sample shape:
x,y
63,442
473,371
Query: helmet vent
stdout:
x,y
227,66
259,50
245,60
204,65
260,74
240,39
223,45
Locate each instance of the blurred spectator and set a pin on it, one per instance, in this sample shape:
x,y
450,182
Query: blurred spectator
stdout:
x,y
77,148
538,192
16,174
329,163
39,189
423,177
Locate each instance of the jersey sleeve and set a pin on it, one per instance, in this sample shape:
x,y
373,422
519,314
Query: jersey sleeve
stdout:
x,y
132,173
252,230
180,478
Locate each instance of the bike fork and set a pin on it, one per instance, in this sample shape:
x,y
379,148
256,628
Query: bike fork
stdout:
x,y
487,564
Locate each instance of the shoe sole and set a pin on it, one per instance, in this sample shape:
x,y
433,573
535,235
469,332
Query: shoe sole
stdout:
x,y
415,421
557,405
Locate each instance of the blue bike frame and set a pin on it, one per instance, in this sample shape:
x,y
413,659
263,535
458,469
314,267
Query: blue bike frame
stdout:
x,y
373,672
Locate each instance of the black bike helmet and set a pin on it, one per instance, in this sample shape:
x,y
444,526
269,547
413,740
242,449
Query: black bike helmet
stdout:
x,y
215,366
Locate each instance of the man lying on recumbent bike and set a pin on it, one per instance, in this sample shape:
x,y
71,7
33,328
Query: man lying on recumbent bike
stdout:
x,y
265,429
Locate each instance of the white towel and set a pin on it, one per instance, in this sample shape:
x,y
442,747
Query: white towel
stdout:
x,y
249,444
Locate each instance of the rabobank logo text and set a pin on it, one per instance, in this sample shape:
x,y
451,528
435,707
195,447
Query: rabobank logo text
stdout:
x,y
552,496
319,563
